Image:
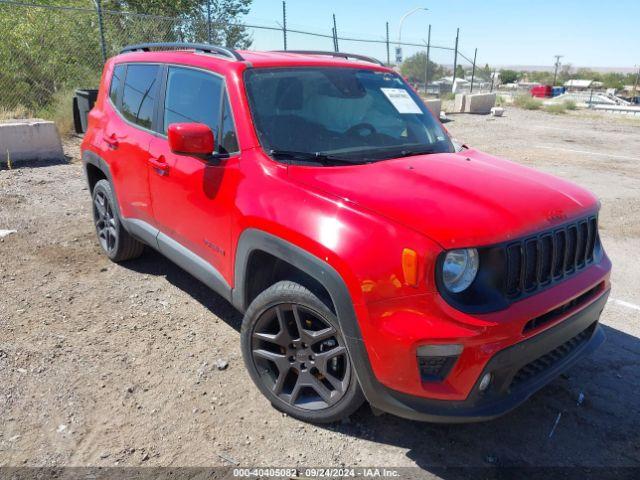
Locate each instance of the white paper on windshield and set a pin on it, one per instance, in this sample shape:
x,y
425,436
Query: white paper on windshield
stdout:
x,y
401,99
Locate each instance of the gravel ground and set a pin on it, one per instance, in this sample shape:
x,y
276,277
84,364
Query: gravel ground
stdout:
x,y
104,364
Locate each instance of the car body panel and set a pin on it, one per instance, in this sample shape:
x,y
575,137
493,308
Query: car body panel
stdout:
x,y
353,222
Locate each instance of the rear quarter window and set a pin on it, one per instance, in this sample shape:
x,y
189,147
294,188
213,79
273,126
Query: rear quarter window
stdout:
x,y
139,94
115,89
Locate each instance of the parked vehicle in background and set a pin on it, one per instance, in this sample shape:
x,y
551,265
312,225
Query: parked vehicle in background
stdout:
x,y
541,91
555,91
373,257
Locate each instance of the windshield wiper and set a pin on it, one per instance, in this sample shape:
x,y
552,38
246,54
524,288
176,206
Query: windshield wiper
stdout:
x,y
414,152
323,158
395,151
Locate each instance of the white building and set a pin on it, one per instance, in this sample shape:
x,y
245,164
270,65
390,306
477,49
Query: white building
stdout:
x,y
582,84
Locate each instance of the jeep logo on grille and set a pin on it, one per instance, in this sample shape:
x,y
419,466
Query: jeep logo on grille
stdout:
x,y
555,216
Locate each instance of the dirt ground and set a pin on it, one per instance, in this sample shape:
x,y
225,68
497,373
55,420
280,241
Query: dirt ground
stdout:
x,y
104,364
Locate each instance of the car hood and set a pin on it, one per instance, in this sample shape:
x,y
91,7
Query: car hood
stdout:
x,y
460,199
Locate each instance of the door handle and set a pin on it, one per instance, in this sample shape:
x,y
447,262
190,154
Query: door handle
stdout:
x,y
112,141
159,165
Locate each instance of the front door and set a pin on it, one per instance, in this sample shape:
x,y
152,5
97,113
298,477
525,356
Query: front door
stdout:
x,y
193,198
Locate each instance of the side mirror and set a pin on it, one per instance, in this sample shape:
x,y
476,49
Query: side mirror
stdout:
x,y
190,139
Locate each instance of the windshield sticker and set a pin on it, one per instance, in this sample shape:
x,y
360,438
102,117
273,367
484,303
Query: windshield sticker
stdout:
x,y
401,100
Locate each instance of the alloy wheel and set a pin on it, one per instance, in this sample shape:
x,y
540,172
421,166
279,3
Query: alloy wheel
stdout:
x,y
105,221
300,357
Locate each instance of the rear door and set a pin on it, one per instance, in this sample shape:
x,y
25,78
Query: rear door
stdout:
x,y
193,198
128,134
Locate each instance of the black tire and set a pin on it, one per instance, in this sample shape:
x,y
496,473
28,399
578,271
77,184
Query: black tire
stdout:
x,y
112,236
304,372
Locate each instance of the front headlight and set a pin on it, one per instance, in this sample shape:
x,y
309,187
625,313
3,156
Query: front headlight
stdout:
x,y
459,269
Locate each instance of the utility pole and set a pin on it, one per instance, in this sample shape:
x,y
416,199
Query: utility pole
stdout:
x,y
426,66
473,71
335,33
557,64
402,19
388,58
284,23
635,85
103,45
455,60
209,21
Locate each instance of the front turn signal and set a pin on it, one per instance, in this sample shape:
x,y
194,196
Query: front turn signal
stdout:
x,y
410,267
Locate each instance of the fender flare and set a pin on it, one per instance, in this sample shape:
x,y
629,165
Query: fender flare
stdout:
x,y
92,158
253,240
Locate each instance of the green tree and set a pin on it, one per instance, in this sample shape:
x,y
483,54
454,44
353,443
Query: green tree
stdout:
x,y
616,80
191,17
485,72
545,78
46,53
508,76
413,68
566,73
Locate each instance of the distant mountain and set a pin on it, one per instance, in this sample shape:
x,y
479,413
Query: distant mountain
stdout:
x,y
550,68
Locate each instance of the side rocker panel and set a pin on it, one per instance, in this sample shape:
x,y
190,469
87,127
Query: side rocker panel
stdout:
x,y
195,265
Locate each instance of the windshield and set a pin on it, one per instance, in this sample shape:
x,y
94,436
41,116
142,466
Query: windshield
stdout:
x,y
345,113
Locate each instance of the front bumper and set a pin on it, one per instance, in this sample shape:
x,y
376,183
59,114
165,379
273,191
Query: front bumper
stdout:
x,y
518,372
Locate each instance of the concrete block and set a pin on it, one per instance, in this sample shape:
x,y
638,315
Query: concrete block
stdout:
x,y
497,111
30,140
434,105
480,103
459,103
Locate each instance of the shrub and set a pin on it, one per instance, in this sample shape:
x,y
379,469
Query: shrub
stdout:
x,y
556,108
500,101
570,105
527,102
14,113
60,111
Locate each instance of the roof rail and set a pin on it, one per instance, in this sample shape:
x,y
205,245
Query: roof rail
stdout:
x,y
199,47
334,54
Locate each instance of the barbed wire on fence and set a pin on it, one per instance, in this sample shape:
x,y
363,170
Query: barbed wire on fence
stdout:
x,y
47,51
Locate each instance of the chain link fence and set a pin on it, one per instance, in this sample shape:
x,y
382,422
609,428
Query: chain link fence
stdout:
x,y
48,51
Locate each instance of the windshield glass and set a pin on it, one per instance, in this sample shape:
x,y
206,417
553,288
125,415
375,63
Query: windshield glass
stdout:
x,y
348,113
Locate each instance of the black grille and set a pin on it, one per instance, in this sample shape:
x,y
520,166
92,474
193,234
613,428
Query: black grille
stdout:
x,y
549,256
548,360
561,310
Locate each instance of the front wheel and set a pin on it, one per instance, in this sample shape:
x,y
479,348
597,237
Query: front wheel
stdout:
x,y
296,355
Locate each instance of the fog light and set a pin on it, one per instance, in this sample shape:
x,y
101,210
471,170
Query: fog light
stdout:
x,y
485,382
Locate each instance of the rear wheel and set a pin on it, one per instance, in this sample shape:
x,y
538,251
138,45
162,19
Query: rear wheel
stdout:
x,y
114,239
296,355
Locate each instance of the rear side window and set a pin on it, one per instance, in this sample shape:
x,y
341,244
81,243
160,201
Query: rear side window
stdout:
x,y
115,90
192,96
139,95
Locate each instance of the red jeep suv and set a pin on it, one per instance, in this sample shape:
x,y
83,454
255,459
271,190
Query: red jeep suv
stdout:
x,y
373,257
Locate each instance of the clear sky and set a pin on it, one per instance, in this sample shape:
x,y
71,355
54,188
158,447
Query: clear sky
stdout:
x,y
506,32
